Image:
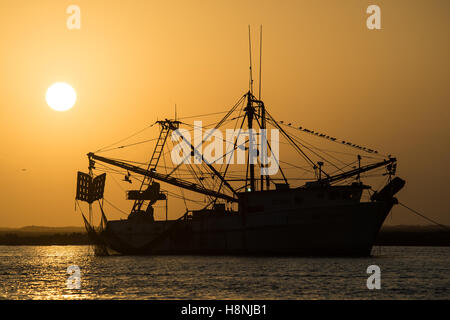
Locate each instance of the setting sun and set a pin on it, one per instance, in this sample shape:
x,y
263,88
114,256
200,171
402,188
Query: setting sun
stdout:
x,y
60,96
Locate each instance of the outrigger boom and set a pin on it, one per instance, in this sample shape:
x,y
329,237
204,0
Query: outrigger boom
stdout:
x,y
163,177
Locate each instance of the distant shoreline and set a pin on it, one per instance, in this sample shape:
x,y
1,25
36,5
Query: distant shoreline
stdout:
x,y
388,236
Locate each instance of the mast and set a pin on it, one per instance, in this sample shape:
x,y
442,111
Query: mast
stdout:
x,y
263,127
250,111
260,61
250,52
262,111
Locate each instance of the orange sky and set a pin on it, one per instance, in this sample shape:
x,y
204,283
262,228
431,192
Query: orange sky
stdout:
x,y
131,61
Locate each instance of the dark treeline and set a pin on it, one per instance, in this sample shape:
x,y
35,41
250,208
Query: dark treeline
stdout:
x,y
76,238
388,236
413,238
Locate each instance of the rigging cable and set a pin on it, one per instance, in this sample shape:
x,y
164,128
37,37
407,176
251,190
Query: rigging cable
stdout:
x,y
216,127
328,137
127,145
296,147
181,189
302,142
134,134
232,154
112,205
106,149
426,218
203,115
270,149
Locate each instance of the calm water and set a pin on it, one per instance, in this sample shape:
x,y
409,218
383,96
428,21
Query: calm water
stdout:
x,y
40,272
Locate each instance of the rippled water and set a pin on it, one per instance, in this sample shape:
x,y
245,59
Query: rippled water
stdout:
x,y
40,272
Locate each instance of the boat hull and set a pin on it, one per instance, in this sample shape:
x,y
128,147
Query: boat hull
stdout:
x,y
333,230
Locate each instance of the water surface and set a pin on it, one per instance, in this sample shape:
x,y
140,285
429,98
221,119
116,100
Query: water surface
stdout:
x,y
40,272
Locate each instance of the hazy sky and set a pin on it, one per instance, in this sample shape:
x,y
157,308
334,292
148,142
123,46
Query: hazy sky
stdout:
x,y
131,61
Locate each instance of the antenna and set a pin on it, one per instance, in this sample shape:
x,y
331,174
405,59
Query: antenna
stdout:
x,y
250,51
175,112
260,60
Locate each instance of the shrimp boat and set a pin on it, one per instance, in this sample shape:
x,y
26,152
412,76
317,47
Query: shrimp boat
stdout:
x,y
321,209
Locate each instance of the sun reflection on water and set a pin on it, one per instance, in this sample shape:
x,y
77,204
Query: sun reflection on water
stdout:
x,y
40,272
